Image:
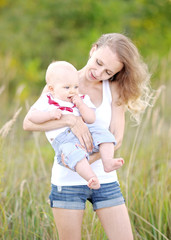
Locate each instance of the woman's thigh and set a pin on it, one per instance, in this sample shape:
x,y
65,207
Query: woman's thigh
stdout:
x,y
116,223
68,204
68,223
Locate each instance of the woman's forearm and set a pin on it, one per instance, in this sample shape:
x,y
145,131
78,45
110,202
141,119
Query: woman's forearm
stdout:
x,y
65,121
94,157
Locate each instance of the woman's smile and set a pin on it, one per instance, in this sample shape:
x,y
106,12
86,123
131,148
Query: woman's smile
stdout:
x,y
92,76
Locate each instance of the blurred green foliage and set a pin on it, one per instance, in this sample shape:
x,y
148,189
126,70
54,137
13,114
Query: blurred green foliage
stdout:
x,y
33,33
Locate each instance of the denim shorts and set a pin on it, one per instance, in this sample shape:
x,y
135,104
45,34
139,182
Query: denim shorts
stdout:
x,y
74,197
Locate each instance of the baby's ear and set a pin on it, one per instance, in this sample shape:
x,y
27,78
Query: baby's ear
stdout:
x,y
50,88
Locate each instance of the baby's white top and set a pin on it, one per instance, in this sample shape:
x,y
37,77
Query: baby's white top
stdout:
x,y
42,104
62,176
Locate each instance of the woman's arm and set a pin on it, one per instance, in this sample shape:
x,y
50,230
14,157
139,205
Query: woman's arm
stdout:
x,y
76,124
93,157
117,123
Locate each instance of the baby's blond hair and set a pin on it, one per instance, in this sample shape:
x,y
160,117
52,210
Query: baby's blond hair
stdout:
x,y
56,69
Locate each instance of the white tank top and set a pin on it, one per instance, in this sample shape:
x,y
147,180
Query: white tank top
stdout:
x,y
62,176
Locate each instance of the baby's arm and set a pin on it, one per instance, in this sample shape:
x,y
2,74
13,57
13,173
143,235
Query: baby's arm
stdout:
x,y
87,113
37,116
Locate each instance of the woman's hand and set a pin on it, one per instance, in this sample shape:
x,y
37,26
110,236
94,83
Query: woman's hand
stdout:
x,y
92,158
81,131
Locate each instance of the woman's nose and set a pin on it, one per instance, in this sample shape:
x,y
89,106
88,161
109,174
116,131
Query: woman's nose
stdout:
x,y
99,72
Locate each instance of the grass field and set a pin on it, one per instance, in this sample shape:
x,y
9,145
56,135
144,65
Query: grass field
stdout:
x,y
25,168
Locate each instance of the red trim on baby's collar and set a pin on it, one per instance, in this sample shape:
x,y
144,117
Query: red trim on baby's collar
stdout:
x,y
51,101
83,96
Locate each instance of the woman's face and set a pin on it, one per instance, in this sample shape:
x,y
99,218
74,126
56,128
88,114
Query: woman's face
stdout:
x,y
103,64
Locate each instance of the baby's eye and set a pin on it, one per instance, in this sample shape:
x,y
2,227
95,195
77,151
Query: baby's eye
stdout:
x,y
76,87
66,87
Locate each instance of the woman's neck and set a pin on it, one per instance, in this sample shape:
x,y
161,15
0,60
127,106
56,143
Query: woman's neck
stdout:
x,y
93,89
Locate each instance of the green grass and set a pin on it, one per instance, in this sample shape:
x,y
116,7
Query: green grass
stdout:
x,y
25,168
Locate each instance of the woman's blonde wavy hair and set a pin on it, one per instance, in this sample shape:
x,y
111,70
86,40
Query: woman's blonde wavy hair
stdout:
x,y
134,78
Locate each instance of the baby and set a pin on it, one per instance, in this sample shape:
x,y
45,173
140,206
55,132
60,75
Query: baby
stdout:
x,y
63,98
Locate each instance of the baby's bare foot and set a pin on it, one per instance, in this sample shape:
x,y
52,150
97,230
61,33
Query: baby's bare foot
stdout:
x,y
93,183
114,164
118,162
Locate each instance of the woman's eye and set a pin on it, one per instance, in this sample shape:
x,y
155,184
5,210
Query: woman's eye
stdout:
x,y
76,87
97,61
108,73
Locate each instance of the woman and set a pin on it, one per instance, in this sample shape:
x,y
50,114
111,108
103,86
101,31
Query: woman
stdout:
x,y
115,78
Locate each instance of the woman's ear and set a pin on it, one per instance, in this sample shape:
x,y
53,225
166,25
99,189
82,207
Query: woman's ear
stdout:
x,y
93,49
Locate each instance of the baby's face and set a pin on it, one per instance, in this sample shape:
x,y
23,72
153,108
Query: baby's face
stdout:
x,y
66,86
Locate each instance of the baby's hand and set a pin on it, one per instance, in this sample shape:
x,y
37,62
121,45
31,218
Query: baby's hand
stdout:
x,y
77,100
55,114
